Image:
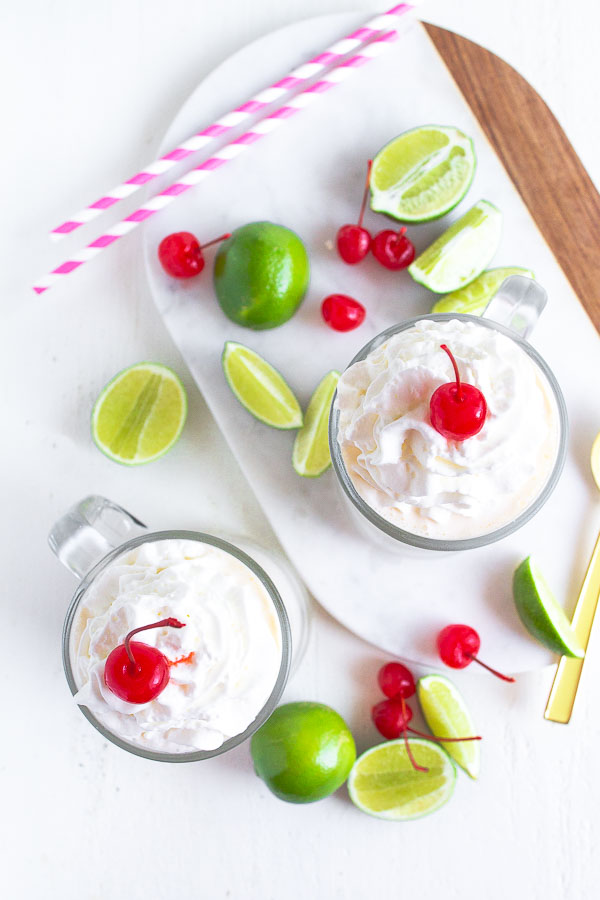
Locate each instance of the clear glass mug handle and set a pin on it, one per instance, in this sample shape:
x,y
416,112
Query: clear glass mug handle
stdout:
x,y
89,530
517,304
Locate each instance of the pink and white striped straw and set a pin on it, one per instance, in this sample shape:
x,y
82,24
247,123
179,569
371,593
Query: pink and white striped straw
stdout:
x,y
380,32
231,120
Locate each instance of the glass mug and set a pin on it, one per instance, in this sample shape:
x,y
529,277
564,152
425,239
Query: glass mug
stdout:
x,y
96,532
513,311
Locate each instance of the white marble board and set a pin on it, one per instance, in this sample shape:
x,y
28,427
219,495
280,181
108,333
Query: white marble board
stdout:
x,y
308,176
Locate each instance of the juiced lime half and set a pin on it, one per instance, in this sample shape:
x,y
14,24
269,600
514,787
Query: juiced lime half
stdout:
x,y
473,299
259,387
422,174
540,613
140,414
462,252
384,784
311,456
447,716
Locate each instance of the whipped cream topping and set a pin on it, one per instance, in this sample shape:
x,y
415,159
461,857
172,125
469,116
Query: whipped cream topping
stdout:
x,y
224,662
413,476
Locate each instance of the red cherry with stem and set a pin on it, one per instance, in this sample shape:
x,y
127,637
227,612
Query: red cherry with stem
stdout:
x,y
180,254
138,672
353,241
342,313
395,680
457,410
393,249
391,717
458,646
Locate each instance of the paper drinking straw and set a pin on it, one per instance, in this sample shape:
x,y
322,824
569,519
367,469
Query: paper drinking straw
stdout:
x,y
232,119
385,35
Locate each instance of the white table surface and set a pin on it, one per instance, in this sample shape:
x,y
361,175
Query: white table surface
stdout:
x,y
87,92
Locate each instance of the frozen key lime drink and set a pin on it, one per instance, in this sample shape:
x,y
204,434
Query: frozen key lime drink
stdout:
x,y
198,681
406,472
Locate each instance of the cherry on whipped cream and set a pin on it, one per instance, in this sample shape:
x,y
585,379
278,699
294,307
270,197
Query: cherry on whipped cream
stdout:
x,y
457,410
138,672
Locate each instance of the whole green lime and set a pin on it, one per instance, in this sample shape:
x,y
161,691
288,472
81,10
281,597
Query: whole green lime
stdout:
x,y
303,752
261,275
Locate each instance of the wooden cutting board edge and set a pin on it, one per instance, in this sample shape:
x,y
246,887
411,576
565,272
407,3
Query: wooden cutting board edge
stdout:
x,y
537,156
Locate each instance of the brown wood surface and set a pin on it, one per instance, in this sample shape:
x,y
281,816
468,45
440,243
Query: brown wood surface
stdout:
x,y
538,157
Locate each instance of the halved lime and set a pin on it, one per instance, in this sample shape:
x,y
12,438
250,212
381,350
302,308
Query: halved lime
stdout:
x,y
447,716
311,456
473,299
384,784
140,414
260,388
462,252
422,174
540,613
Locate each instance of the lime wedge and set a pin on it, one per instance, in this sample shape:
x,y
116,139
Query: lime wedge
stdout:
x,y
140,414
422,174
462,252
474,298
539,612
384,784
311,456
447,716
259,387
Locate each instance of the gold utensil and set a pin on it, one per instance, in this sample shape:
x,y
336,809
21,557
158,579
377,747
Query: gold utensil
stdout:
x,y
564,687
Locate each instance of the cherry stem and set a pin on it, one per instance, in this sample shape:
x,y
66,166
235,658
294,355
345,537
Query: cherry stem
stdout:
x,y
489,668
458,384
172,623
215,241
449,740
413,761
365,195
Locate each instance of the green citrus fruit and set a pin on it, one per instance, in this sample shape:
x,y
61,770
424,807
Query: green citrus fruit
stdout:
x,y
303,752
261,275
259,387
311,456
422,174
540,613
140,414
384,783
447,716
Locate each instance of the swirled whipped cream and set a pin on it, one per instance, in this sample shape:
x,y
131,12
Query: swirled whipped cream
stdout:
x,y
412,475
224,663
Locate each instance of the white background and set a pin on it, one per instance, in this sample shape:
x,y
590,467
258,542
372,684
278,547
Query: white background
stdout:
x,y
87,92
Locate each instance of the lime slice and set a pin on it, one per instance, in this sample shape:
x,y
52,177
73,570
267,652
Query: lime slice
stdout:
x,y
384,784
539,612
259,387
474,298
447,716
462,252
311,456
422,174
140,414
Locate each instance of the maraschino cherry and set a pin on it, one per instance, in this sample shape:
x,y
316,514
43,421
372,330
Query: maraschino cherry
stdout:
x,y
353,241
393,249
342,313
457,410
391,717
458,646
138,672
180,254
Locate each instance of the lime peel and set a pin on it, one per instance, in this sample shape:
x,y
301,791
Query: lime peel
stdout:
x,y
473,299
